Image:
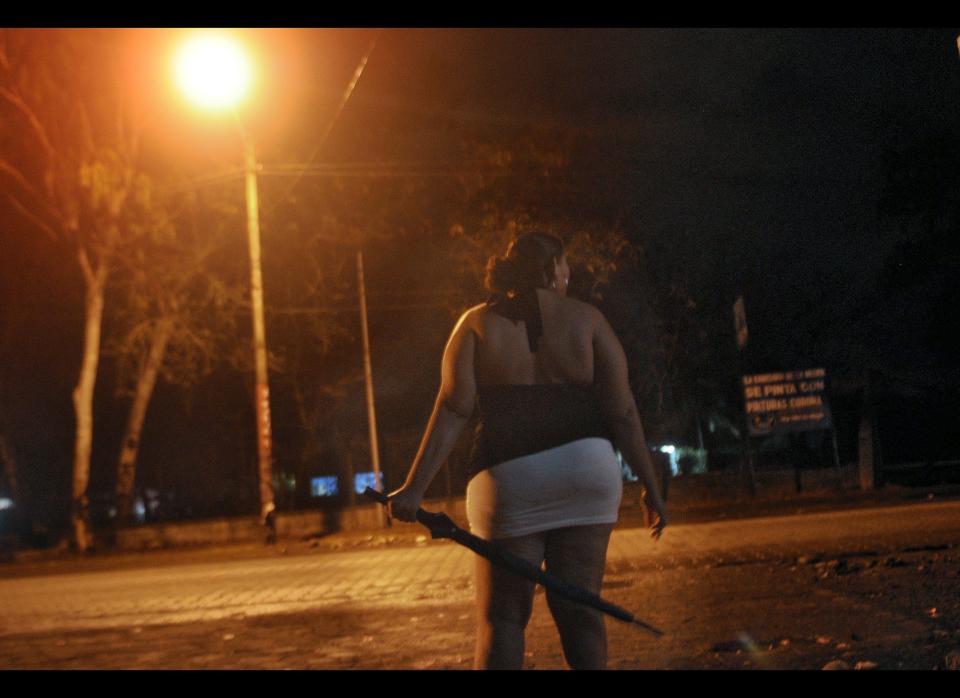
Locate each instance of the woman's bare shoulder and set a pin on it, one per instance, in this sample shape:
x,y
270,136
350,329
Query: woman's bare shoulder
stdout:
x,y
473,317
476,312
583,306
581,310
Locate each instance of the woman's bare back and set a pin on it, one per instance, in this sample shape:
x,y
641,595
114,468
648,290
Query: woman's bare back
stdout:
x,y
564,353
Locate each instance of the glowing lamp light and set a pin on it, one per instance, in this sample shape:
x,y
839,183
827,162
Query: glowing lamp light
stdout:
x,y
213,71
671,450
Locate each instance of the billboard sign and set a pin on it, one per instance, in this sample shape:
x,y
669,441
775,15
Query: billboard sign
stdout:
x,y
787,401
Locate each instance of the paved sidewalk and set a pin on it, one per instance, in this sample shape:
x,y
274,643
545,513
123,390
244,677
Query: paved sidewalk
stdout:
x,y
50,561
438,572
785,592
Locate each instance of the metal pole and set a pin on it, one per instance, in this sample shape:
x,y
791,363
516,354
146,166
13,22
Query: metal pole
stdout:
x,y
836,457
262,393
746,464
368,383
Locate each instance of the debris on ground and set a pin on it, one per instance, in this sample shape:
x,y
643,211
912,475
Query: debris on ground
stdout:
x,y
824,640
952,661
865,665
844,567
836,665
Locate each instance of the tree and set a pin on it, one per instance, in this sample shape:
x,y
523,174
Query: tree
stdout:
x,y
175,316
68,158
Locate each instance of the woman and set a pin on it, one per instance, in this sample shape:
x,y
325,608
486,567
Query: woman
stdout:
x,y
545,483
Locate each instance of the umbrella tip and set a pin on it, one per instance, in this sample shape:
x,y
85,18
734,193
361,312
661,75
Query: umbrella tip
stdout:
x,y
649,628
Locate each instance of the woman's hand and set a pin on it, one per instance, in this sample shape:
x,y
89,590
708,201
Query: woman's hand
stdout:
x,y
404,503
656,513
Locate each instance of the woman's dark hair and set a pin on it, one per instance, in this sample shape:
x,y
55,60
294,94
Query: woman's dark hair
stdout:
x,y
528,261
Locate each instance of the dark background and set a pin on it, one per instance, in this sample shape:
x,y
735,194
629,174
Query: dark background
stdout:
x,y
813,171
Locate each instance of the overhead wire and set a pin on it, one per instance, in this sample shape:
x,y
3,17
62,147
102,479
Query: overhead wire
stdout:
x,y
343,102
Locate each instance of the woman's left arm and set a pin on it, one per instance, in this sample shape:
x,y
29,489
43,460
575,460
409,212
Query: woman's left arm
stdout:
x,y
451,412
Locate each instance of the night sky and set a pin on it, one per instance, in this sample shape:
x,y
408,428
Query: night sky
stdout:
x,y
741,161
764,145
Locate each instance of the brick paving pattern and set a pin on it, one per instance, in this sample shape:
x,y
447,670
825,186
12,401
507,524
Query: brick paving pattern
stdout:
x,y
727,593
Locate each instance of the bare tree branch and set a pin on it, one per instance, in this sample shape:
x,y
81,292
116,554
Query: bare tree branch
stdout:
x,y
85,266
29,215
85,129
20,179
4,60
31,118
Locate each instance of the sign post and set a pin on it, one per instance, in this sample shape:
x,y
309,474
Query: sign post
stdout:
x,y
836,458
740,328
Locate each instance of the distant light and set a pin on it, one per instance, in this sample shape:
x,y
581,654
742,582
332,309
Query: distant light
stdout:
x,y
625,470
324,486
5,503
213,70
153,500
672,451
362,481
139,510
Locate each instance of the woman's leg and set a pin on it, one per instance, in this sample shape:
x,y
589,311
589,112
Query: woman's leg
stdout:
x,y
504,604
578,555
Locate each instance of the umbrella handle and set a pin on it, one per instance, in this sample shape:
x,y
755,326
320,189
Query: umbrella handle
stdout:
x,y
439,524
376,496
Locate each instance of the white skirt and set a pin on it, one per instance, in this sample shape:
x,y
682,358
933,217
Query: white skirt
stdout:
x,y
576,484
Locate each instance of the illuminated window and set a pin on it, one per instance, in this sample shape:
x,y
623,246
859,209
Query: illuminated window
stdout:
x,y
362,481
324,486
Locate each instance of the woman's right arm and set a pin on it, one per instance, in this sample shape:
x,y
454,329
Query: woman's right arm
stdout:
x,y
620,410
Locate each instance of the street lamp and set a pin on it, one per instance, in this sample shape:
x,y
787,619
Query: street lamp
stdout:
x,y
214,73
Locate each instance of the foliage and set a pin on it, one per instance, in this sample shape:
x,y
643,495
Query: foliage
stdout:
x,y
172,273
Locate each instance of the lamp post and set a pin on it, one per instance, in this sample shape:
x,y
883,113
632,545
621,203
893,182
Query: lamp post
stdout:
x,y
214,73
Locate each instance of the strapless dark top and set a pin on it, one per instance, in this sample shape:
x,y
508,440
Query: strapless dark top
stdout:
x,y
517,420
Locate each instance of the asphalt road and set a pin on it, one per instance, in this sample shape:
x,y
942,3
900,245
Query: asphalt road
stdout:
x,y
876,586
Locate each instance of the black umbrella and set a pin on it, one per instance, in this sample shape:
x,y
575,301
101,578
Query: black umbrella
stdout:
x,y
441,526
